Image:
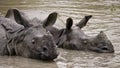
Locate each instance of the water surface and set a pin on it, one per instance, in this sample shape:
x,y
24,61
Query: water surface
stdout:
x,y
106,17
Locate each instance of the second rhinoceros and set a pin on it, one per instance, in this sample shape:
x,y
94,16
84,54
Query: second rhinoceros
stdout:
x,y
74,38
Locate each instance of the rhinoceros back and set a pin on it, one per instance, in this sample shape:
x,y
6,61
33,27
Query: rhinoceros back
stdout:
x,y
11,26
3,40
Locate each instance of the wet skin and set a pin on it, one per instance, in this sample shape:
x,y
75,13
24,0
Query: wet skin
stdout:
x,y
26,40
75,38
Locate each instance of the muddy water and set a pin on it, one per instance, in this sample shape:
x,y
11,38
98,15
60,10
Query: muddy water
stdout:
x,y
106,17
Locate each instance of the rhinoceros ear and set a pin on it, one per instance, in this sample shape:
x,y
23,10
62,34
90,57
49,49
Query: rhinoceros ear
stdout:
x,y
10,14
84,21
50,20
69,23
15,15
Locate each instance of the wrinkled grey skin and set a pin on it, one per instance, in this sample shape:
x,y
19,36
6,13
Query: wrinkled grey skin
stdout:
x,y
30,41
47,23
75,39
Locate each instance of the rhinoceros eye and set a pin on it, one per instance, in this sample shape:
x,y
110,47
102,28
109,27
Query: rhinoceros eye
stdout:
x,y
85,41
33,41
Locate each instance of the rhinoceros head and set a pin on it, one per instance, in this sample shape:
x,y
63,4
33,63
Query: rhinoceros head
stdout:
x,y
37,43
101,44
33,41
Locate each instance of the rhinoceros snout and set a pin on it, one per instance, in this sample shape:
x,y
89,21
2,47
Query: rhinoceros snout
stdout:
x,y
47,54
106,49
48,57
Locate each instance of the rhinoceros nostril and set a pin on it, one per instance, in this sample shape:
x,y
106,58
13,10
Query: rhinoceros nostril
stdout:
x,y
45,49
104,48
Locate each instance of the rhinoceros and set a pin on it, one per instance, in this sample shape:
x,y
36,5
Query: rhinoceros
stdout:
x,y
74,38
30,41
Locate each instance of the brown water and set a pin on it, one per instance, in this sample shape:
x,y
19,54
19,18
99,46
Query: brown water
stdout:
x,y
106,17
